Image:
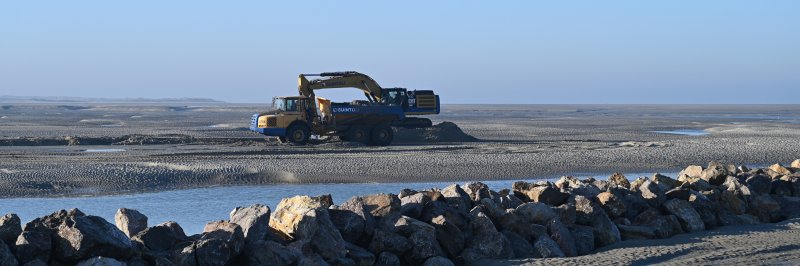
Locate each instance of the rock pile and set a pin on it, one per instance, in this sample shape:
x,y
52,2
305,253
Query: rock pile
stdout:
x,y
442,132
454,225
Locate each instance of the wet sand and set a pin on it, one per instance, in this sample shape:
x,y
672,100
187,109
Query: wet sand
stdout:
x,y
172,146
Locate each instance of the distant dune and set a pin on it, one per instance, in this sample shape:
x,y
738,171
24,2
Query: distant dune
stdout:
x,y
58,99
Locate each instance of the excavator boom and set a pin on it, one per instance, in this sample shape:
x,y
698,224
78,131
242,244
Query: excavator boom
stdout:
x,y
347,79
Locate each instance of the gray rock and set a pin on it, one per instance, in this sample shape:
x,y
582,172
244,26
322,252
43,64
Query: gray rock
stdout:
x,y
534,212
33,245
82,237
567,213
781,187
653,193
6,257
563,237
360,256
380,205
546,194
715,174
618,179
584,239
254,221
387,241
161,237
666,181
436,208
678,193
101,261
547,248
353,220
10,228
219,244
387,259
413,205
585,210
759,184
270,253
457,198
790,206
422,237
605,231
766,209
636,232
706,208
438,261
450,238
485,241
130,221
612,204
306,219
522,248
477,191
693,171
689,218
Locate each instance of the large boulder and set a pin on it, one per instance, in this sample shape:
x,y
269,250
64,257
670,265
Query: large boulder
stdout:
x,y
547,248
781,187
450,238
10,228
585,210
521,247
385,241
706,207
219,244
653,193
790,206
715,174
101,261
382,204
767,209
387,259
359,255
253,220
33,246
584,239
438,261
731,201
354,221
130,221
269,253
693,171
795,163
666,181
412,205
612,204
457,198
563,237
545,194
777,170
605,231
477,191
306,219
689,218
161,237
6,257
567,213
759,184
436,208
534,212
664,225
628,232
618,179
485,241
422,237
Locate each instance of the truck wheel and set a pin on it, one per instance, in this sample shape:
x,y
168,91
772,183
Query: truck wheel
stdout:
x,y
298,134
382,135
358,134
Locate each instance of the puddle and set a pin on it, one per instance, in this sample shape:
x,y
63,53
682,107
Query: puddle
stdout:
x,y
104,150
686,132
111,125
219,126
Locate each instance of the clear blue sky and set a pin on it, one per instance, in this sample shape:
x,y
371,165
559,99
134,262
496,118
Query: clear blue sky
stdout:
x,y
468,51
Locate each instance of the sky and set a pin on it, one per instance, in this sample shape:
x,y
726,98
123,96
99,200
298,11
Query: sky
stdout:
x,y
493,52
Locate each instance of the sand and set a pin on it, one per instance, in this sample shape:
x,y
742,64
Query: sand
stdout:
x,y
762,244
123,148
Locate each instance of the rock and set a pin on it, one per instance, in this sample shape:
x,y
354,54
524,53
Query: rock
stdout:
x,y
759,184
693,171
547,248
130,221
436,208
360,256
584,239
605,231
696,183
618,179
727,219
730,202
522,248
161,237
563,237
101,261
766,209
634,204
220,242
665,180
387,259
485,241
457,198
611,204
715,174
777,169
438,261
636,232
380,205
637,183
422,237
510,201
10,228
796,163
306,219
653,193
705,207
270,253
33,245
81,237
353,220
566,213
790,206
476,191
388,241
6,257
450,238
585,210
689,218
534,212
678,193
253,220
781,188
413,205
546,194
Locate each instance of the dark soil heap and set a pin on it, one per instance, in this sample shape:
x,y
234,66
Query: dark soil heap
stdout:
x,y
442,132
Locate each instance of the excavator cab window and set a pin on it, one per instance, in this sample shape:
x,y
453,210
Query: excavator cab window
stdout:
x,y
395,97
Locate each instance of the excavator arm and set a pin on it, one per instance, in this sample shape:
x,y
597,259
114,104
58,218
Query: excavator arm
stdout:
x,y
347,79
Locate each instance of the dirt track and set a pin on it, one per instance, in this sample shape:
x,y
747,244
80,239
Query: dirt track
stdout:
x,y
175,146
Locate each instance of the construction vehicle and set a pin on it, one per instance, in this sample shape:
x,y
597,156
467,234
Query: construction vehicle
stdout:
x,y
295,118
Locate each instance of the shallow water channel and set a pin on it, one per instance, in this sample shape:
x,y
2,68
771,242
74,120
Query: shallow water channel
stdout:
x,y
193,208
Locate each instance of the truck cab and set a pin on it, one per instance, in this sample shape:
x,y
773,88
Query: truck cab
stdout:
x,y
286,112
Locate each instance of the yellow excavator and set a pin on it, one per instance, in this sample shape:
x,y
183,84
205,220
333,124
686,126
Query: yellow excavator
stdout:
x,y
295,118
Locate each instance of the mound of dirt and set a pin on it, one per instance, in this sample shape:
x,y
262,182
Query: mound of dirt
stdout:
x,y
442,132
